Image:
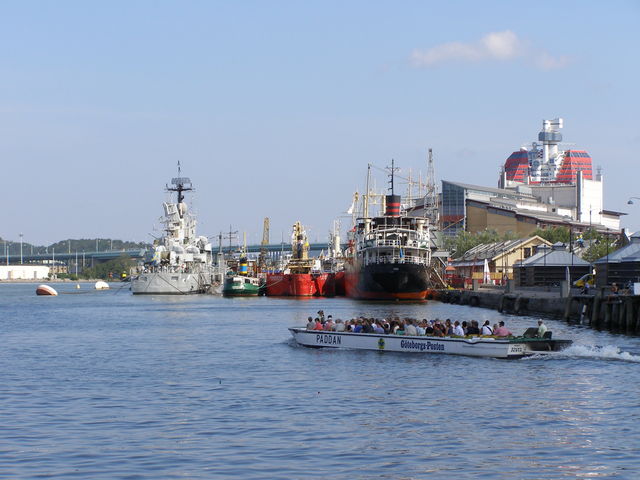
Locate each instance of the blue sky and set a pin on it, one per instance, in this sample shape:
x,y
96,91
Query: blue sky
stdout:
x,y
275,108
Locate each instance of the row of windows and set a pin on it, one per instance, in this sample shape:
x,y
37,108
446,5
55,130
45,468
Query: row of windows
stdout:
x,y
571,153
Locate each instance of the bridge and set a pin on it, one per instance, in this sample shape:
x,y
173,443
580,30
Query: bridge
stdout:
x,y
66,256
139,253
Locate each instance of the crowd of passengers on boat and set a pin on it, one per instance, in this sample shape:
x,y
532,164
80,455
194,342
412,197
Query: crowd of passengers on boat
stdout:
x,y
412,326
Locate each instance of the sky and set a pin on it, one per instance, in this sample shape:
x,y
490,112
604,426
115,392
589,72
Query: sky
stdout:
x,y
275,109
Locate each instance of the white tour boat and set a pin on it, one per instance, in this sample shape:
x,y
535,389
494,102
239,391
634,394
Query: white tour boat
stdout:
x,y
514,347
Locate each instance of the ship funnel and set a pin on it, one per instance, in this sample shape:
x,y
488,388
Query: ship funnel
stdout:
x,y
393,205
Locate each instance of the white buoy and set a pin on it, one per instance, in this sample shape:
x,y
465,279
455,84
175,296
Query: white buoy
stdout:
x,y
100,285
46,290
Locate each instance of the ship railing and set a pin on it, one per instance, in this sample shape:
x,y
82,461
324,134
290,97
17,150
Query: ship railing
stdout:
x,y
410,259
163,269
393,243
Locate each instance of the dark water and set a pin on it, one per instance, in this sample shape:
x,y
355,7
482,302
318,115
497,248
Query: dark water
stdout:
x,y
107,385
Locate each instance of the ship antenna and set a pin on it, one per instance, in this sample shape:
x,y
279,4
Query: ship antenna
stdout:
x,y
180,184
393,169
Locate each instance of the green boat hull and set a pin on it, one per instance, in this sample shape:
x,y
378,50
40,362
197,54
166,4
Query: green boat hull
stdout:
x,y
241,287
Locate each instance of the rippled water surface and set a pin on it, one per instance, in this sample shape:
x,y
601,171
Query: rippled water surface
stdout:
x,y
108,385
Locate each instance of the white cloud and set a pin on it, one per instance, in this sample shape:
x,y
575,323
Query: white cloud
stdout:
x,y
545,61
494,46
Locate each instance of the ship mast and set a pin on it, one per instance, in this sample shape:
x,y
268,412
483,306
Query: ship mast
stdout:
x,y
431,196
392,201
392,172
366,195
180,185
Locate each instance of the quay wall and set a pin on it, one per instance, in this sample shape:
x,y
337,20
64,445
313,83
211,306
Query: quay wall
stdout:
x,y
602,310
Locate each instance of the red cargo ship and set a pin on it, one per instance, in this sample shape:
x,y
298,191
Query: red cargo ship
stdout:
x,y
296,280
308,277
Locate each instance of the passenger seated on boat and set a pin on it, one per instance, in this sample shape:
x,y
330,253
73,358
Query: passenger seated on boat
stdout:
x,y
421,328
410,328
318,325
542,328
396,327
329,325
502,331
438,330
386,326
448,328
358,326
457,329
366,326
340,327
428,329
311,325
473,329
486,328
377,328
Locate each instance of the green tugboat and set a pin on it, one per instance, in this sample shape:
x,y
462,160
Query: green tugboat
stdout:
x,y
240,283
241,286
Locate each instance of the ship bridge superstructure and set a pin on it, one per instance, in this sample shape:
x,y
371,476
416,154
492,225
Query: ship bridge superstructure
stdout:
x,y
393,240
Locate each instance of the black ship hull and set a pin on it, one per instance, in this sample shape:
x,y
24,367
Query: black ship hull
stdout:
x,y
387,281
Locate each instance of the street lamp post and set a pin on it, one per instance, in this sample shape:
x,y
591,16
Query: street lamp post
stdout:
x,y
607,240
21,249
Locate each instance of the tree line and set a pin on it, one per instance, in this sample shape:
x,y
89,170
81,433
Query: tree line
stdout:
x,y
69,245
596,244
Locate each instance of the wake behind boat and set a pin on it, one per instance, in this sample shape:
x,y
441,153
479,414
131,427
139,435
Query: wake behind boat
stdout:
x,y
513,347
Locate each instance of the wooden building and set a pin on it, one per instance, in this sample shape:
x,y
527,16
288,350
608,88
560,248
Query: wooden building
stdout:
x,y
549,267
621,266
499,256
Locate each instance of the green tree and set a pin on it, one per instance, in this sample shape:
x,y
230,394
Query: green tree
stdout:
x,y
553,234
600,246
111,269
465,241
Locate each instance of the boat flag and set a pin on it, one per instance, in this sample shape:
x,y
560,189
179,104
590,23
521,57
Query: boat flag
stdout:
x,y
486,274
353,205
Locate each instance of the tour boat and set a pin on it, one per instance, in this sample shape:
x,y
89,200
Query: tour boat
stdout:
x,y
515,347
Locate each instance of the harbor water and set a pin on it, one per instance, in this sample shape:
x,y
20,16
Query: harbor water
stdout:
x,y
104,385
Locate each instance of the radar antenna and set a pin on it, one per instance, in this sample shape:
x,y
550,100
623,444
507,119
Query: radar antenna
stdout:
x,y
180,184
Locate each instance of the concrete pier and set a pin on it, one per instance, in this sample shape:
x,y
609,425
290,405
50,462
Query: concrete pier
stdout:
x,y
602,310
